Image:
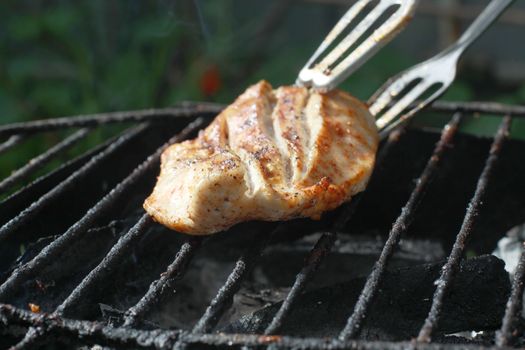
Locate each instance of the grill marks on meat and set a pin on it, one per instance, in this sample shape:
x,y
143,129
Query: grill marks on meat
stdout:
x,y
271,155
291,131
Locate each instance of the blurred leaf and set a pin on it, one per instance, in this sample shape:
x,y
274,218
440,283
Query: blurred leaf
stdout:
x,y
23,27
55,97
521,94
65,58
374,73
22,68
281,69
154,30
481,125
518,128
458,91
9,113
127,82
60,20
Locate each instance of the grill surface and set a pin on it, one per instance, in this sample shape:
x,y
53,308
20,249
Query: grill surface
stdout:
x,y
32,211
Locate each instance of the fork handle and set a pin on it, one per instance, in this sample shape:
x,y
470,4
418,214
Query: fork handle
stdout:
x,y
482,22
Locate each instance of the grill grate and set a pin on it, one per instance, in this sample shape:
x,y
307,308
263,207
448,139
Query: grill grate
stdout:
x,y
452,264
94,332
161,286
10,143
38,162
61,322
407,212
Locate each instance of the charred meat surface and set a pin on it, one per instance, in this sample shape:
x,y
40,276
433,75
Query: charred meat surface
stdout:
x,y
271,155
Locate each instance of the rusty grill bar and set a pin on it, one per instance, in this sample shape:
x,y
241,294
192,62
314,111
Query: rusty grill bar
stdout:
x,y
402,222
161,286
41,160
452,264
31,211
11,142
224,296
62,323
95,332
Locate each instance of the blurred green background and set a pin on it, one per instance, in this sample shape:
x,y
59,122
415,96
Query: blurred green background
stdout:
x,y
62,58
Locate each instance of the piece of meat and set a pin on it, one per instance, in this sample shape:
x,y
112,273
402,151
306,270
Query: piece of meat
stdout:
x,y
271,155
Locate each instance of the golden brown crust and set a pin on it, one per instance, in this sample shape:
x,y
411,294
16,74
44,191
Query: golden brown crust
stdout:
x,y
271,155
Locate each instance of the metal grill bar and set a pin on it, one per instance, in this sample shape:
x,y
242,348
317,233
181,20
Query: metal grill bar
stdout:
x,y
398,228
478,107
191,109
33,209
161,286
314,259
514,305
41,160
451,266
118,251
39,186
236,341
124,338
185,110
324,245
60,244
105,267
11,142
31,339
94,332
224,296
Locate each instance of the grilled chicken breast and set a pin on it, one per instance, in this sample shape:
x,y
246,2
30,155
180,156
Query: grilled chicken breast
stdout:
x,y
271,155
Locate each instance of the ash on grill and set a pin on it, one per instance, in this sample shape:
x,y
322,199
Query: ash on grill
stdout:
x,y
97,270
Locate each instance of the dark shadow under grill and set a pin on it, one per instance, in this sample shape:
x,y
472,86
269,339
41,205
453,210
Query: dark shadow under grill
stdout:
x,y
91,253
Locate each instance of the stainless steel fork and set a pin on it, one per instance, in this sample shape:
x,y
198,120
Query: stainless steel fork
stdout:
x,y
389,104
324,73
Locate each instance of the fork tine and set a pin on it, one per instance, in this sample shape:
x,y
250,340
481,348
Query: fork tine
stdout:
x,y
437,94
319,76
353,36
402,104
382,35
347,18
386,93
438,70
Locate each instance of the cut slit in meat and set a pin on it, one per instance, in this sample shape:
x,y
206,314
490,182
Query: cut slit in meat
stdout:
x,y
271,155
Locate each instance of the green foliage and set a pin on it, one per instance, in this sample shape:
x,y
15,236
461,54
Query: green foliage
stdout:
x,y
65,58
60,58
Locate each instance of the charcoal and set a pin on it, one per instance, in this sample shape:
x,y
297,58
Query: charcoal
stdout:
x,y
351,257
112,316
272,277
476,302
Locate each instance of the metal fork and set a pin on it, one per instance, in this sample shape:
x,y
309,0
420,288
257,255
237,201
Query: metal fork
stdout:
x,y
438,72
328,72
